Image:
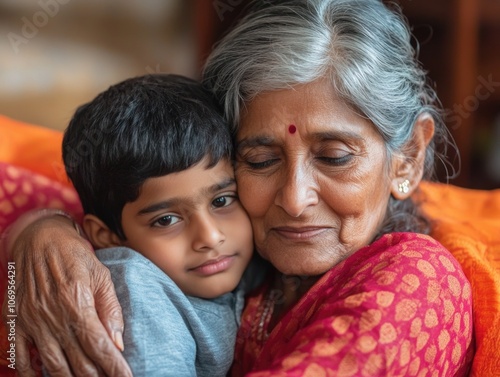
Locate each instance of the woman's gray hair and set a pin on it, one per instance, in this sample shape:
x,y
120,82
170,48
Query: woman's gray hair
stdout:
x,y
361,45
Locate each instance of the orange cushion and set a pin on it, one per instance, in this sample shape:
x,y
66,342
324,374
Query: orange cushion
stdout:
x,y
467,222
32,147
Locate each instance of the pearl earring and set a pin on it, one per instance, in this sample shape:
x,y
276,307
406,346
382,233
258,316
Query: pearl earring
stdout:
x,y
404,187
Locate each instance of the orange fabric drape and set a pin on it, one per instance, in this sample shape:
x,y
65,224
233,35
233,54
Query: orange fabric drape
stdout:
x,y
467,222
32,147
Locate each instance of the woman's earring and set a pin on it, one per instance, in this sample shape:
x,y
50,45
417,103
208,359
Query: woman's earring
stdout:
x,y
404,187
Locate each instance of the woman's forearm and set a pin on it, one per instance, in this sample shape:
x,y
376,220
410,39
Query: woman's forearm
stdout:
x,y
65,300
12,233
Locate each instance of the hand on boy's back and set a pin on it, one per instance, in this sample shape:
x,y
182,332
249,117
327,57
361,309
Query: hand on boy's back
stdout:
x,y
69,310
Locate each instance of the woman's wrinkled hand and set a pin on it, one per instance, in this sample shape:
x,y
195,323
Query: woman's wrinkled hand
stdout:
x,y
66,304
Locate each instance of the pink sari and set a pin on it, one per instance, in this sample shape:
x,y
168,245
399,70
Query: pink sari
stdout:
x,y
399,307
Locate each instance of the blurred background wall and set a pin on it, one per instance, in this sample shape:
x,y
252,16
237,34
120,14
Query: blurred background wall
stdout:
x,y
57,54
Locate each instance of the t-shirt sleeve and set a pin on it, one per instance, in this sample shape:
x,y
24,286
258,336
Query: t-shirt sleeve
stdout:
x,y
157,339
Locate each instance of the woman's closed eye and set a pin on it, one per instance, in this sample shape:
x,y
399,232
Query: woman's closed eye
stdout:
x,y
259,158
334,156
339,161
262,164
165,221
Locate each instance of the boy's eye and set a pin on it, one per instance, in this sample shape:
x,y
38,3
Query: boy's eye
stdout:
x,y
223,201
166,221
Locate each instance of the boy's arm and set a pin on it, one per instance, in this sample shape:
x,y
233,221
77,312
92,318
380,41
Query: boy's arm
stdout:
x,y
60,287
158,340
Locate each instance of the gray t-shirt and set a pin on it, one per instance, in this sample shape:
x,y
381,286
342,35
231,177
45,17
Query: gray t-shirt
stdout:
x,y
168,333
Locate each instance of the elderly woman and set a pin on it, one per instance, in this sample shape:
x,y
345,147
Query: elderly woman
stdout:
x,y
334,127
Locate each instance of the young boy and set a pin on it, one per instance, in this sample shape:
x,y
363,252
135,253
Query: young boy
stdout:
x,y
151,160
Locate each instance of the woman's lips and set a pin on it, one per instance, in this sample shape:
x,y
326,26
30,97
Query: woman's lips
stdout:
x,y
300,233
214,266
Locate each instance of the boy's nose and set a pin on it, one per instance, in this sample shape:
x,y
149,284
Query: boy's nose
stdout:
x,y
207,234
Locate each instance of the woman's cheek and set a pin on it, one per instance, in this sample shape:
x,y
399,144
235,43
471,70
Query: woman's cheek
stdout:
x,y
255,193
248,194
246,187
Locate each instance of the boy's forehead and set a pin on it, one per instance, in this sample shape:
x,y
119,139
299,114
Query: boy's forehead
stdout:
x,y
188,187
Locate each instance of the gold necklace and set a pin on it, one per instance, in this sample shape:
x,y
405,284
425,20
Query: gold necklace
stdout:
x,y
267,309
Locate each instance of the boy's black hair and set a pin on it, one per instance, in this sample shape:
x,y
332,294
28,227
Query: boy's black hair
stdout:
x,y
143,127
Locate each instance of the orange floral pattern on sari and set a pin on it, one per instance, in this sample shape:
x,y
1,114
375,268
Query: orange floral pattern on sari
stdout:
x,y
399,307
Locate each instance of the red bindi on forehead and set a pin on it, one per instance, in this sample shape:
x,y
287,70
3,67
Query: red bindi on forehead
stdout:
x,y
292,129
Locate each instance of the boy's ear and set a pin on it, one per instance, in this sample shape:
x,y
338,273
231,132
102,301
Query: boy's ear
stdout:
x,y
99,234
408,167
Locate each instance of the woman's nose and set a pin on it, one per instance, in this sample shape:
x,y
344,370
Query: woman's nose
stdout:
x,y
207,234
298,189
